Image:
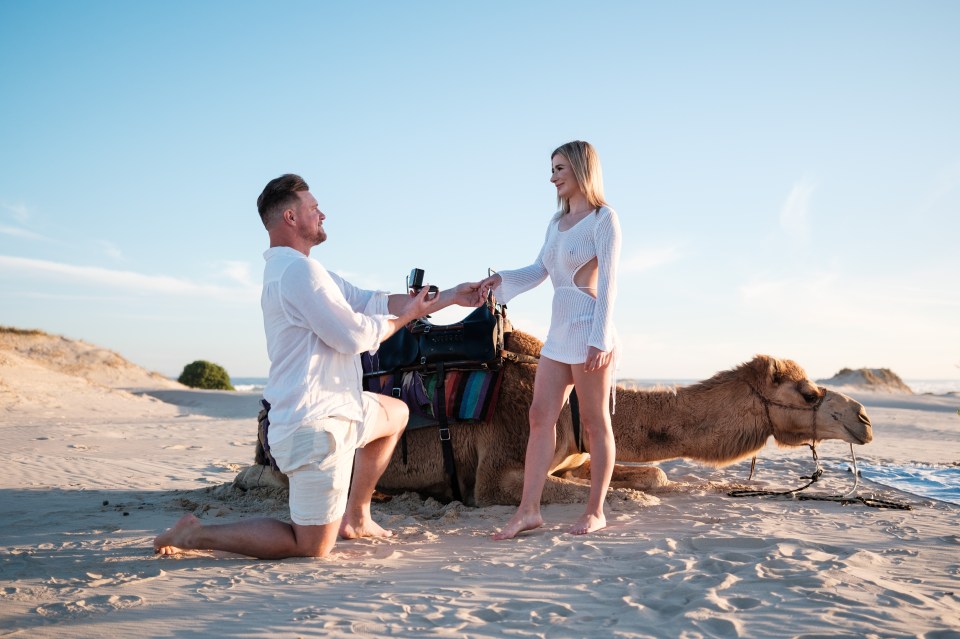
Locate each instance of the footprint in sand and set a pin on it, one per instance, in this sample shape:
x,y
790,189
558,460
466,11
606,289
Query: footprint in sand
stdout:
x,y
308,613
217,590
88,606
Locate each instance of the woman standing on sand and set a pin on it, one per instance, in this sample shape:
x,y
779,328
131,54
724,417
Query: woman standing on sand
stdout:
x,y
580,254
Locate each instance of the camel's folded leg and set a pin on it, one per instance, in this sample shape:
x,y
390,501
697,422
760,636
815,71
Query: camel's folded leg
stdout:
x,y
565,491
498,484
260,476
506,487
644,478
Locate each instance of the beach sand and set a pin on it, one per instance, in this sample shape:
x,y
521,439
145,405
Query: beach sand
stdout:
x,y
96,466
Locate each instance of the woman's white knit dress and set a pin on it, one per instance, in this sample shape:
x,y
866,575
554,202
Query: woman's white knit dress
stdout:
x,y
578,320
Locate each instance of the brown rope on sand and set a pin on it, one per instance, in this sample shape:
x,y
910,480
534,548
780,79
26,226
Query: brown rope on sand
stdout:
x,y
849,498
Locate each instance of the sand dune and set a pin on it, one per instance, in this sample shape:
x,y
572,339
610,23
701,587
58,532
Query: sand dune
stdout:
x,y
94,472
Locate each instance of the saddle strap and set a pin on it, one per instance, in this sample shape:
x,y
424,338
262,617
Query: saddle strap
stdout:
x,y
519,357
449,463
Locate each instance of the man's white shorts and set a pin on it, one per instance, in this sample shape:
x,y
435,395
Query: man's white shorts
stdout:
x,y
318,460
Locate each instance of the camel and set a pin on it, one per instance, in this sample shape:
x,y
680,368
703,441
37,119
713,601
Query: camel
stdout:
x,y
718,421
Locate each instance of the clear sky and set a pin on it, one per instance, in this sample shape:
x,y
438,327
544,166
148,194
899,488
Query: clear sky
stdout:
x,y
787,174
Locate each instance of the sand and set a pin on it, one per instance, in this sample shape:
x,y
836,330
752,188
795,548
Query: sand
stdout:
x,y
96,466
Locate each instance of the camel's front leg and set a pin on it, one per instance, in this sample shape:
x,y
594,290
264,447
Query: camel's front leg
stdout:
x,y
643,478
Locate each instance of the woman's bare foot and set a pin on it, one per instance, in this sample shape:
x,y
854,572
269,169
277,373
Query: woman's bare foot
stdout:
x,y
518,523
365,528
177,537
587,524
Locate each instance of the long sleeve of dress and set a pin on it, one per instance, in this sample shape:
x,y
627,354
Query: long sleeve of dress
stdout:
x,y
607,240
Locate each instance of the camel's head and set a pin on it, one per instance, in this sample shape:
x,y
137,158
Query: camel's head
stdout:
x,y
802,412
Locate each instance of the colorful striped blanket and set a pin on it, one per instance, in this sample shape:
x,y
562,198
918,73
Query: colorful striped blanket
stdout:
x,y
471,395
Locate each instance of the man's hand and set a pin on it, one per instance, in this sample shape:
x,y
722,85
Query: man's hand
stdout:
x,y
467,294
416,306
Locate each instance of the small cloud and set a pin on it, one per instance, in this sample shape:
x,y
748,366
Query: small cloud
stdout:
x,y
649,259
795,213
123,280
16,231
112,250
239,272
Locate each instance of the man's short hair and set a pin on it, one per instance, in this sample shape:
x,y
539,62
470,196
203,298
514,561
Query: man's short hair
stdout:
x,y
279,195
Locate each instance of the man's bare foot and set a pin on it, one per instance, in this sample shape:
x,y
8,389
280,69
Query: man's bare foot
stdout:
x,y
587,524
365,528
177,537
518,523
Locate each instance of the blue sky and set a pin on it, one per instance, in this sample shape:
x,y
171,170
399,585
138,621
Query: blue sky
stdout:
x,y
787,175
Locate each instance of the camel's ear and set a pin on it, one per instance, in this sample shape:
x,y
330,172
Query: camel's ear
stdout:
x,y
777,372
764,370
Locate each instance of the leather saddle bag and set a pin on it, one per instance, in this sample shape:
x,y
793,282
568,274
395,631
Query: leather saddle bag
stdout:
x,y
400,350
476,338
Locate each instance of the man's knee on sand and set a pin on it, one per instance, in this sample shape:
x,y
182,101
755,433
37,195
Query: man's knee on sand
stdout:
x,y
316,541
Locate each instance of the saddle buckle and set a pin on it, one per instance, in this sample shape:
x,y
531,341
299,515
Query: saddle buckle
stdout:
x,y
396,392
444,434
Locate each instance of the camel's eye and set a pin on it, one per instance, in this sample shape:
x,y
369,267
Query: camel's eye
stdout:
x,y
810,396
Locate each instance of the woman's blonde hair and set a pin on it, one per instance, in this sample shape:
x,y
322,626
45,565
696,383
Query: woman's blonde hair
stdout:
x,y
585,164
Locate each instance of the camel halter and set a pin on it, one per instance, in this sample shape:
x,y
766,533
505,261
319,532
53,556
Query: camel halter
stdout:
x,y
767,402
849,497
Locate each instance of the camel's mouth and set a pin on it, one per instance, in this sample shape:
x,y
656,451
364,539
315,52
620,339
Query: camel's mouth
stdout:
x,y
858,438
864,435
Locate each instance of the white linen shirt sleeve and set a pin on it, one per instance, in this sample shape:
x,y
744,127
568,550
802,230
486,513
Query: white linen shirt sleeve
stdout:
x,y
315,299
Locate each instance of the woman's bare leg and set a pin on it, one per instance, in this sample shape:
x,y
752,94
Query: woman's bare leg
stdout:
x,y
593,391
550,389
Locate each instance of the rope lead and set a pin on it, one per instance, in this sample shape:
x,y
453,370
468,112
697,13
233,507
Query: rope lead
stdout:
x,y
848,498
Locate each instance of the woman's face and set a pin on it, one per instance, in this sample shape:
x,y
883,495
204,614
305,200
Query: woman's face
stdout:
x,y
562,177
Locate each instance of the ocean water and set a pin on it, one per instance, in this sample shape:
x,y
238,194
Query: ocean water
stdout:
x,y
248,383
935,481
933,386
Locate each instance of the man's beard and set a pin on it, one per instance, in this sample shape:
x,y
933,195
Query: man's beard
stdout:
x,y
319,236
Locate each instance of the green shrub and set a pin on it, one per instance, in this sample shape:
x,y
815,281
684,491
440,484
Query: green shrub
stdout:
x,y
207,375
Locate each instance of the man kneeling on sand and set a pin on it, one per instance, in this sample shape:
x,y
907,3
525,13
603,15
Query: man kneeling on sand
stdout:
x,y
322,423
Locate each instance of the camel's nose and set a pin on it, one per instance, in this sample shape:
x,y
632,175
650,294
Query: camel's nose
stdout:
x,y
868,429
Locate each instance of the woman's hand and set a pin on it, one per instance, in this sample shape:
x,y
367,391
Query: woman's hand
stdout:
x,y
597,359
487,285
